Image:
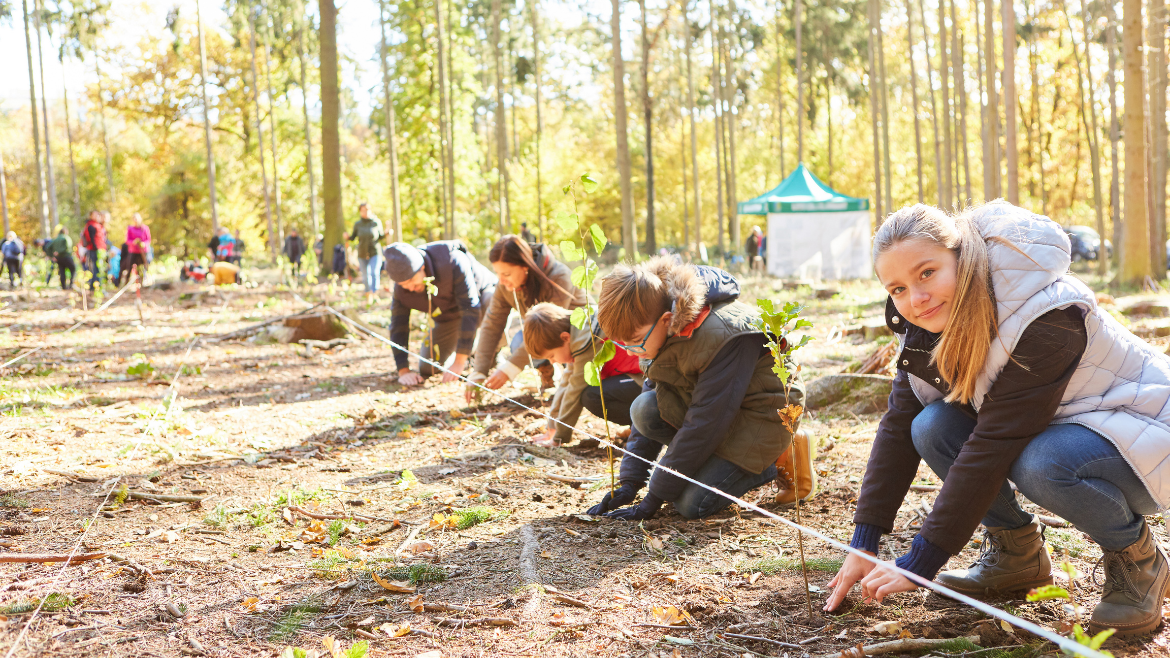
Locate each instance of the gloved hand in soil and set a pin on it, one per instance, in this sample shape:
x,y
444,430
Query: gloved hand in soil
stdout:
x,y
640,512
624,495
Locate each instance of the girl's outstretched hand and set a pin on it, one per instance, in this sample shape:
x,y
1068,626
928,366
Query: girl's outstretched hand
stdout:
x,y
854,569
883,581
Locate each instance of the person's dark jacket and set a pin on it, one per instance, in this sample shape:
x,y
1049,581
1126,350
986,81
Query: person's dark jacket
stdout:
x,y
213,245
368,232
716,400
1020,405
294,248
461,281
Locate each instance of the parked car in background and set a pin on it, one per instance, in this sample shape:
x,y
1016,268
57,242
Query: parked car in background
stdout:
x,y
1086,243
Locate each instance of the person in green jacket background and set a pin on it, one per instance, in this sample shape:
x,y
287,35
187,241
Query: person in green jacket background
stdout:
x,y
368,232
60,249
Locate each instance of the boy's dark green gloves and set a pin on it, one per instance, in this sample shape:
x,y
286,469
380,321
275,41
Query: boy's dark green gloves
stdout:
x,y
624,495
640,512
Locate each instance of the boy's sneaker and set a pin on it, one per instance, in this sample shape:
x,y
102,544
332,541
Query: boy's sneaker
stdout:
x,y
796,479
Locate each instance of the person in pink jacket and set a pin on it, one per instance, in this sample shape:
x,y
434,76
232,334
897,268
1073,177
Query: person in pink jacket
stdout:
x,y
137,245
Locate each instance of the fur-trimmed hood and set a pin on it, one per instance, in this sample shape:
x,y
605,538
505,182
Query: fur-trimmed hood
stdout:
x,y
692,287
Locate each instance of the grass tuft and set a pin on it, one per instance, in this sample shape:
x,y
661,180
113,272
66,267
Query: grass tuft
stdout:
x,y
776,565
416,573
473,516
294,619
54,602
12,500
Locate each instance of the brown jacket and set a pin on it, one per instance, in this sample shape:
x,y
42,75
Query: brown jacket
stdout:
x,y
491,330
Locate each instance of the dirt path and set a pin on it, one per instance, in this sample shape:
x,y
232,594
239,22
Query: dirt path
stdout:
x,y
320,479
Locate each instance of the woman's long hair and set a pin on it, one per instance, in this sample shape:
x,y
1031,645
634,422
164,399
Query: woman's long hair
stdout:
x,y
962,348
513,250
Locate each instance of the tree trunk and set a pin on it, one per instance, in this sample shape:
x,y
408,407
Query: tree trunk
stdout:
x,y
444,119
991,169
451,120
391,135
938,165
272,142
1033,65
982,104
730,118
694,133
105,133
717,98
50,176
72,161
1156,13
3,195
534,7
309,139
874,112
1135,259
828,119
914,94
779,85
629,240
1114,134
686,219
260,139
330,135
32,93
1009,101
944,83
212,200
1092,129
797,16
648,120
881,53
501,119
961,93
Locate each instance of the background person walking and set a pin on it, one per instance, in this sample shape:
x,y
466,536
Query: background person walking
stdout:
x,y
368,232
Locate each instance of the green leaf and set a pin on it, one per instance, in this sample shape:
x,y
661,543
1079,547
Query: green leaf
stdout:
x,y
765,306
1095,641
608,351
579,317
568,221
570,252
599,239
432,289
566,189
358,650
583,275
1047,592
588,183
592,374
801,323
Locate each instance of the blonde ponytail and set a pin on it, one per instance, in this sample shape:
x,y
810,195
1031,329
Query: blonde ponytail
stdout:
x,y
965,340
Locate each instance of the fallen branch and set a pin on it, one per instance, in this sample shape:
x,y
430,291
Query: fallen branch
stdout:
x,y
1052,521
164,498
69,474
409,538
925,487
575,481
571,601
895,646
444,607
257,327
51,557
114,557
381,530
319,517
485,621
753,638
676,628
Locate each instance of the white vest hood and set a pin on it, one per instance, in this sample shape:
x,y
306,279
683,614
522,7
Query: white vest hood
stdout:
x,y
1120,389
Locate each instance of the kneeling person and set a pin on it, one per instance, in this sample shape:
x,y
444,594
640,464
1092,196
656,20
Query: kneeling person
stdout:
x,y
464,291
710,395
548,334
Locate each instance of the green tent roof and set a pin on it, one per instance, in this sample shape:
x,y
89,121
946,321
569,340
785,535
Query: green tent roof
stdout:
x,y
802,191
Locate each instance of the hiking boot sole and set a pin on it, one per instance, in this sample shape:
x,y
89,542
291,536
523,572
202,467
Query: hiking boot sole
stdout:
x,y
1142,628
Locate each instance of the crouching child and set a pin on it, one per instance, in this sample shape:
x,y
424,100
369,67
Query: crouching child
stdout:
x,y
710,397
548,334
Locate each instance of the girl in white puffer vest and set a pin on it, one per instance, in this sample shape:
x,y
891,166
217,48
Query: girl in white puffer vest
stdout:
x,y
1008,370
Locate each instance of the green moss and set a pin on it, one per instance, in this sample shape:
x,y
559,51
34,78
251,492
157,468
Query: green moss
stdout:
x,y
783,564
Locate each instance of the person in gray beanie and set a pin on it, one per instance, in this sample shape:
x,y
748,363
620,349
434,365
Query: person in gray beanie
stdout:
x,y
462,290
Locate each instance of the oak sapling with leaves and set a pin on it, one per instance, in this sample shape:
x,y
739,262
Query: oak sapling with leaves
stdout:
x,y
712,390
592,363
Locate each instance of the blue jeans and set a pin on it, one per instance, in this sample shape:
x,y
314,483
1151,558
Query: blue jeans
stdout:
x,y
1068,469
371,269
696,502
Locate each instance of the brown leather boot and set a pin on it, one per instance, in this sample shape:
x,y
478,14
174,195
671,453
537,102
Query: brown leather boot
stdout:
x,y
796,478
1136,580
1009,561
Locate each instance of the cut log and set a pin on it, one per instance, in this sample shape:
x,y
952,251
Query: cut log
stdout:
x,y
896,646
832,389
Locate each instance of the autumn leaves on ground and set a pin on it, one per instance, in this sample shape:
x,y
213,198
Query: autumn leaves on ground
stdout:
x,y
253,498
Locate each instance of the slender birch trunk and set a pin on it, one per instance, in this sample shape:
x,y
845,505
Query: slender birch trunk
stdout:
x,y
1156,18
212,200
873,110
648,120
731,118
779,86
444,120
797,16
881,54
914,94
32,94
501,119
982,103
272,143
938,167
961,92
691,110
534,7
1114,135
1135,259
1009,101
309,140
944,84
717,96
50,174
260,138
991,168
